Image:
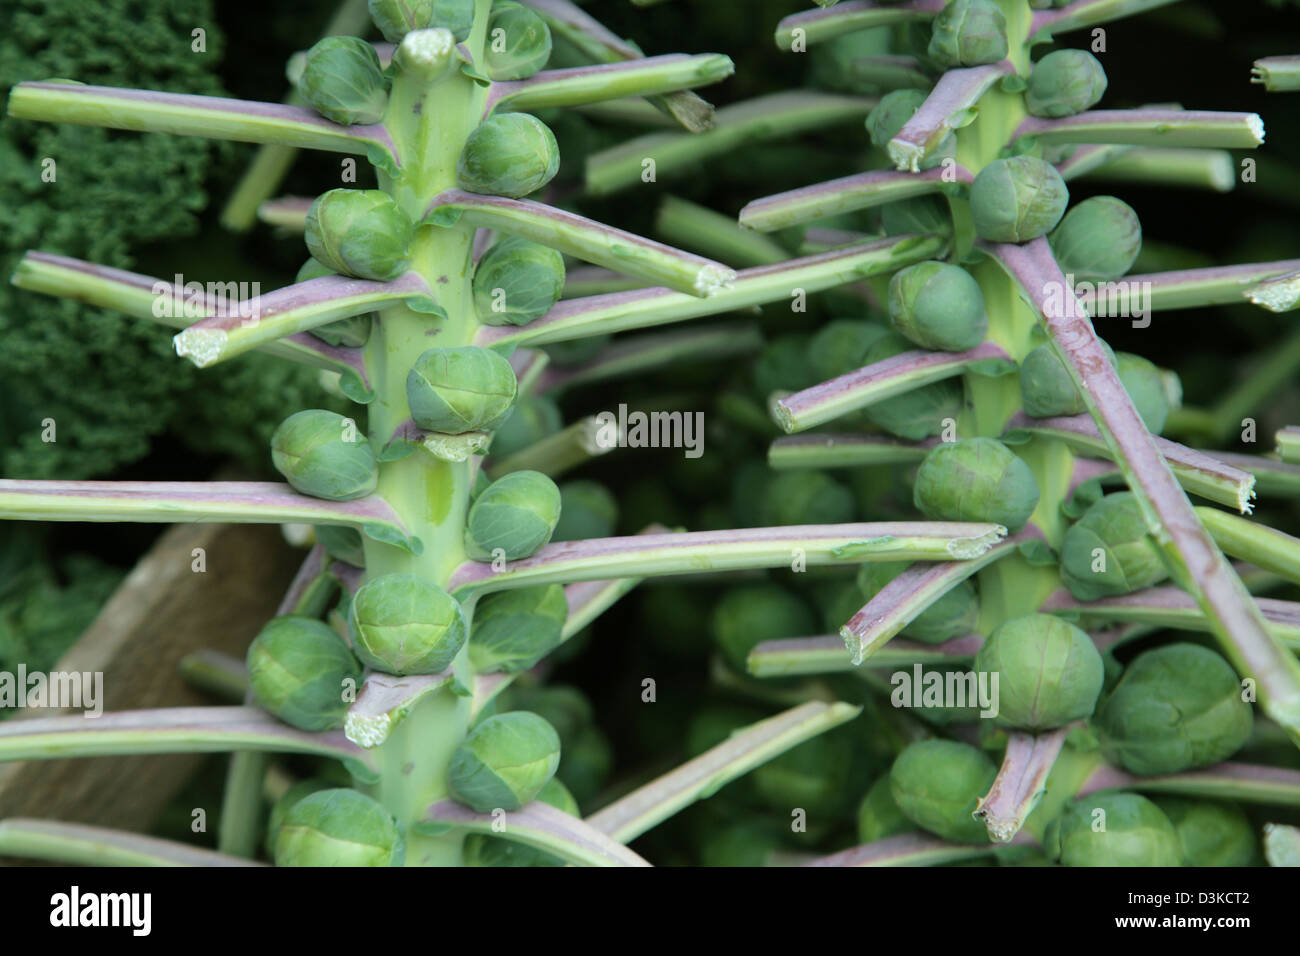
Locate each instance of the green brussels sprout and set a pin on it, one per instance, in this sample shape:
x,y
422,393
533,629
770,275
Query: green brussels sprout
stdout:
x,y
783,366
403,624
1017,199
811,776
296,669
976,479
517,281
587,510
342,543
878,814
1108,551
508,154
1046,386
464,389
1113,829
482,849
588,759
360,232
516,514
841,345
339,828
892,113
301,789
968,33
955,613
515,629
921,412
504,762
1098,240
738,844
396,18
806,497
343,81
1211,834
518,42
351,332
937,785
938,306
1146,387
920,214
1049,671
747,616
321,453
837,601
1176,708
529,420
1065,82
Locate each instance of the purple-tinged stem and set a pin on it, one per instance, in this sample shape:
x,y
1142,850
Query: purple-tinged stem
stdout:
x,y
846,194
944,110
78,844
1150,126
541,826
1021,780
384,701
312,567
1084,13
825,450
577,86
1278,74
816,26
1180,289
825,654
1084,470
907,849
1249,783
1279,294
286,212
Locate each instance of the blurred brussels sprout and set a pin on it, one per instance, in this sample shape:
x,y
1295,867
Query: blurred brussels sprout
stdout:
x,y
396,18
783,366
1099,239
587,510
339,828
1108,551
588,759
516,514
1211,834
515,629
841,345
518,42
976,479
301,789
1065,82
921,412
517,281
739,844
530,419
483,849
955,612
806,497
1049,671
508,154
810,776
1046,386
921,214
403,624
504,762
891,114
878,814
837,601
342,543
1113,829
937,785
1017,199
968,33
321,453
937,305
1146,386
747,616
456,390
342,81
351,332
1176,708
296,669
360,232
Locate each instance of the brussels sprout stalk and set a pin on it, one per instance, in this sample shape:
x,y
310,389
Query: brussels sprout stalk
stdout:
x,y
1021,781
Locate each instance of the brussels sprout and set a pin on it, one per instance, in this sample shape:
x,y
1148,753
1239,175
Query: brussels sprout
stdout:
x,y
1099,239
403,624
360,232
1108,551
296,669
891,115
339,828
482,849
321,453
976,479
1046,386
587,510
396,18
747,616
841,345
1211,834
1065,82
1017,199
518,42
938,306
1113,829
588,759
351,332
955,613
1049,671
529,420
301,789
456,390
806,497
508,154
968,33
516,514
504,762
342,80
937,785
878,814
811,776
517,281
515,629
837,601
1176,708
738,844
921,412
783,366
921,214
342,543
1146,386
